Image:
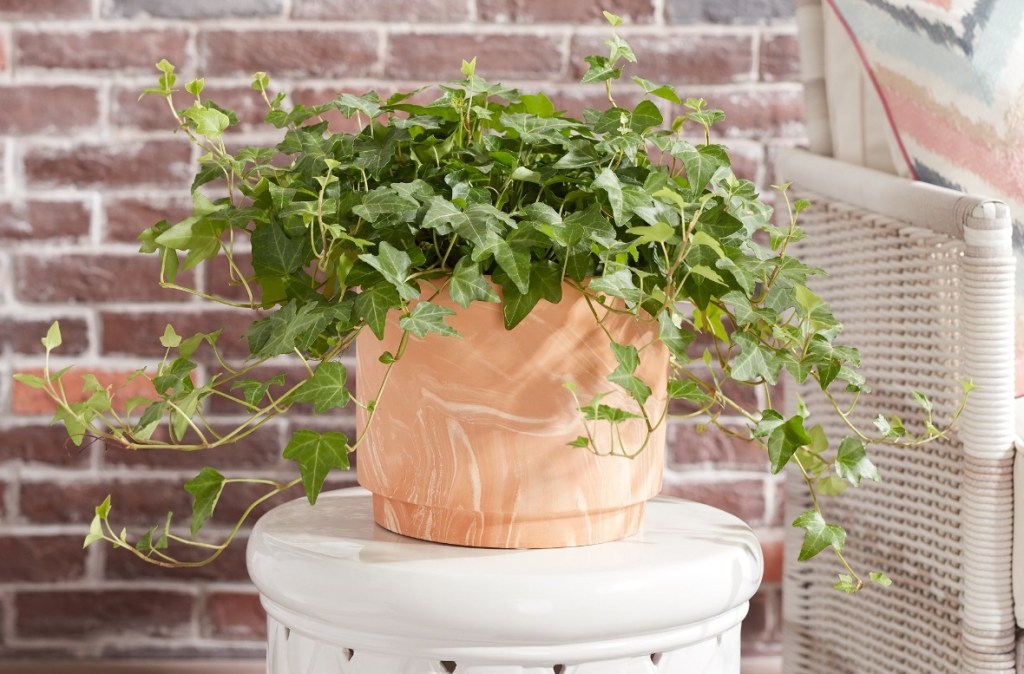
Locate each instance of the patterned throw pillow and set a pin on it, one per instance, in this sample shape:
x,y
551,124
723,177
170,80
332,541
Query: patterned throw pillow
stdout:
x,y
950,74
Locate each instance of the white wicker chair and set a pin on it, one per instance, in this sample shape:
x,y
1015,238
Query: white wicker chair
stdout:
x,y
922,278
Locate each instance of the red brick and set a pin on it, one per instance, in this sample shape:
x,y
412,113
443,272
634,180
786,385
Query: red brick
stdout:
x,y
773,549
89,613
744,498
22,336
761,633
39,109
228,567
29,401
16,10
139,333
34,220
100,50
780,58
127,217
436,56
220,283
92,278
41,558
3,500
105,165
140,503
433,11
677,58
689,449
235,615
261,450
545,11
282,53
40,444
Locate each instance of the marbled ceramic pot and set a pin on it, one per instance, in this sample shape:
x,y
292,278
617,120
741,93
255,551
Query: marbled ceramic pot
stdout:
x,y
469,444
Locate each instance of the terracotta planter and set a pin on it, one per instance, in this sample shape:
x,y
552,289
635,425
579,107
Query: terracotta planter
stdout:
x,y
469,443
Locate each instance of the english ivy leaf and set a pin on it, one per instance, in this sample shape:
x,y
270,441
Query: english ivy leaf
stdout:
x,y
468,284
205,488
831,485
95,531
600,69
382,202
700,163
30,380
891,427
846,584
170,338
580,442
52,339
534,130
393,264
609,182
580,154
426,318
784,440
209,123
645,116
325,389
515,263
626,355
444,216
596,411
317,454
686,389
545,283
661,91
755,361
373,304
254,390
632,384
274,253
674,338
661,232
852,462
618,284
293,326
818,535
880,578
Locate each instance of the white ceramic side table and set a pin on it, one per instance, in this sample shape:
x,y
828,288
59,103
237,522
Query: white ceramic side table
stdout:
x,y
344,596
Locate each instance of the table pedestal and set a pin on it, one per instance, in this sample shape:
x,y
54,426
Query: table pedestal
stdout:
x,y
344,596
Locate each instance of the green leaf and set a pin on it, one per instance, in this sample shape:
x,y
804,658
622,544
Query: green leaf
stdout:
x,y
30,380
673,337
784,440
545,283
468,284
846,584
891,428
660,232
444,216
205,488
618,284
600,69
880,578
95,531
373,304
580,442
394,265
534,130
53,338
325,389
426,318
612,19
818,535
317,454
755,361
274,253
831,485
293,326
209,123
852,462
609,182
170,338
382,202
645,116
700,163
661,91
686,389
254,390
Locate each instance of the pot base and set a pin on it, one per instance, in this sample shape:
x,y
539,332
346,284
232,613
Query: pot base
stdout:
x,y
503,529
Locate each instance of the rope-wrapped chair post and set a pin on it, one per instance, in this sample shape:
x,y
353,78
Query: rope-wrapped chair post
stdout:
x,y
921,277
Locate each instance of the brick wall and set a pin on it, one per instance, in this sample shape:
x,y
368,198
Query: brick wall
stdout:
x,y
84,167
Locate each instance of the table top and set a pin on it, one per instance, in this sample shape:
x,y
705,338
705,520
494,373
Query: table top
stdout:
x,y
332,563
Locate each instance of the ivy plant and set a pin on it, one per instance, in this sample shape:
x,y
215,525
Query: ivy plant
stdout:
x,y
481,188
